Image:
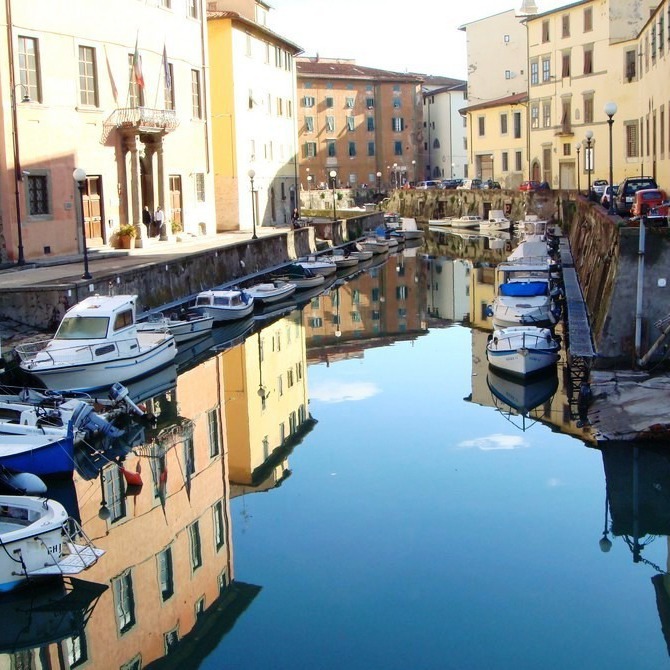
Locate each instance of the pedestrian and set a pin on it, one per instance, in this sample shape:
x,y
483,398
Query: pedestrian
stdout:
x,y
147,219
159,218
295,216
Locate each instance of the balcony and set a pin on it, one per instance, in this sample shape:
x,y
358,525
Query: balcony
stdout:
x,y
143,120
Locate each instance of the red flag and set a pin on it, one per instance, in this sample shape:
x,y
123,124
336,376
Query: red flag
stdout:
x,y
137,67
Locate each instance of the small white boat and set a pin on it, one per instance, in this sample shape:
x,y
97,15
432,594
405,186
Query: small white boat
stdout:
x,y
375,244
409,230
522,350
496,222
467,221
444,221
267,292
224,304
184,326
96,345
345,259
299,276
318,265
38,542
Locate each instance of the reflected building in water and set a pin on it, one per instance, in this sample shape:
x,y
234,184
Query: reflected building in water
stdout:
x,y
377,307
448,289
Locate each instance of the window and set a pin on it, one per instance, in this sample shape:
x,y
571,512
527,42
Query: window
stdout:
x,y
566,64
503,124
397,148
166,573
195,94
546,114
653,42
371,123
661,33
309,124
588,108
349,103
565,23
248,44
370,103
77,650
588,19
280,386
630,65
213,426
397,103
195,545
330,124
505,161
189,456
193,9
124,602
88,87
632,149
517,161
135,91
38,195
534,72
352,149
309,149
219,525
517,125
566,116
308,101
168,88
331,147
588,59
351,123
371,148
398,124
545,31
29,67
546,68
436,143
481,126
535,116
199,181
330,102
508,74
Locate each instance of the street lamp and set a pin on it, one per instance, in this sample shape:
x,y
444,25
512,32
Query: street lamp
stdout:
x,y
18,173
589,160
309,182
333,176
379,182
252,174
414,171
395,175
578,148
610,110
79,175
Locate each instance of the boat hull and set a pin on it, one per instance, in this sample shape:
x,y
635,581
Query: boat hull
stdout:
x,y
48,456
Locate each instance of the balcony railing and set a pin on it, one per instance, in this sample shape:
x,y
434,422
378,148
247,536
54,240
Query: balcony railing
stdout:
x,y
144,119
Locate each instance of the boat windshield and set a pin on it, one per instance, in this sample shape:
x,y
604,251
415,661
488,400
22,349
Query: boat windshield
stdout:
x,y
83,328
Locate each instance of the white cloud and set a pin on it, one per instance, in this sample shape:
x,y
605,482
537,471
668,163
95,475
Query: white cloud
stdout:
x,y
496,442
343,391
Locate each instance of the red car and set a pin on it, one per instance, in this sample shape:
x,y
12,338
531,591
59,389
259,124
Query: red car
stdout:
x,y
529,186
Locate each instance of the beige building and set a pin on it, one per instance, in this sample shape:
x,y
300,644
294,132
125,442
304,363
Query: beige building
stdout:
x,y
120,93
363,124
253,84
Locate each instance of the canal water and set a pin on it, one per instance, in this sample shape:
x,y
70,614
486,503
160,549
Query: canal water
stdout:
x,y
345,484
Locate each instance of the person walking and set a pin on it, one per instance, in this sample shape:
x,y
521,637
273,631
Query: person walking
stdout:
x,y
147,220
159,219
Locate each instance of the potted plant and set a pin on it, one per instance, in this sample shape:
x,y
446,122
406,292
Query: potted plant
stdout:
x,y
125,235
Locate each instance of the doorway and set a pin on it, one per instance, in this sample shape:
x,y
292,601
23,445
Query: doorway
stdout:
x,y
176,202
92,210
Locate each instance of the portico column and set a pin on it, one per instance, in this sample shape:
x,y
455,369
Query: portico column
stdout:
x,y
135,204
163,190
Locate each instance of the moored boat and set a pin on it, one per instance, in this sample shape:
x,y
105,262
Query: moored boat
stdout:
x,y
496,222
522,350
467,221
271,291
224,304
302,278
318,265
96,345
185,325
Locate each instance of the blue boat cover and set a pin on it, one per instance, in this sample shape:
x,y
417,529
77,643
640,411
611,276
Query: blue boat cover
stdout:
x,y
523,288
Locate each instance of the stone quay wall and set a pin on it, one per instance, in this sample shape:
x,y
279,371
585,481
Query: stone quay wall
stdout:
x,y
174,281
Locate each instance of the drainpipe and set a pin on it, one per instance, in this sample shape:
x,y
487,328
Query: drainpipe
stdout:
x,y
638,299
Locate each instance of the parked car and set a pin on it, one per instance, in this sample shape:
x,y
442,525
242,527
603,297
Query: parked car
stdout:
x,y
623,200
651,203
470,184
530,185
489,183
451,183
423,185
597,189
605,199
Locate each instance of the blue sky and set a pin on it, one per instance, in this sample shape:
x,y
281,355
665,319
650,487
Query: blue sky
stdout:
x,y
413,36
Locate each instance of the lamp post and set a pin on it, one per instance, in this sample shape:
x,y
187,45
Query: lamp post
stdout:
x,y
252,174
333,177
414,172
309,182
589,160
610,110
379,182
18,173
79,175
395,175
578,148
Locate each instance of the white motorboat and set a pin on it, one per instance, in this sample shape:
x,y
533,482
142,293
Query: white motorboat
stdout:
x,y
299,276
38,541
186,325
444,221
224,304
409,230
496,222
272,291
318,265
96,345
467,221
345,259
522,350
375,244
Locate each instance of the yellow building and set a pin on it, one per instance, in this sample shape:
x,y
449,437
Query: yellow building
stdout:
x,y
363,124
